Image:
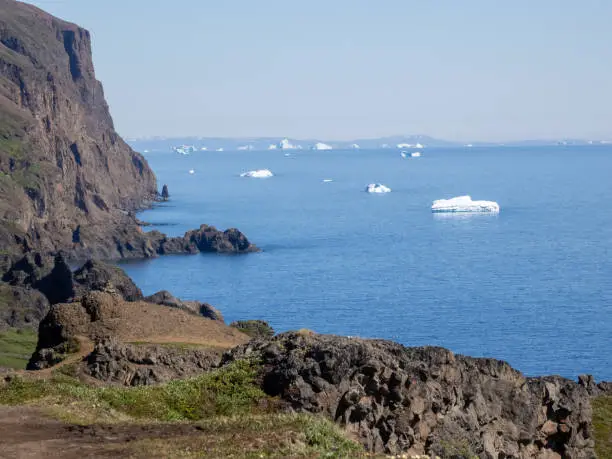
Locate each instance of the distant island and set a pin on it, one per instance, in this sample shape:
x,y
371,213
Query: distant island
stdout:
x,y
185,145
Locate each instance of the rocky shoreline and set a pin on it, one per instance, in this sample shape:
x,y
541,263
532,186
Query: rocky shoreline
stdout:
x,y
69,187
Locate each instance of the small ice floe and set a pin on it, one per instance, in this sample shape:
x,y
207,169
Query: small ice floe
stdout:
x,y
464,204
287,154
327,180
191,171
415,154
259,173
403,154
377,188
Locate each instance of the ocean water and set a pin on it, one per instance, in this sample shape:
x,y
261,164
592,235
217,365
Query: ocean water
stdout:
x,y
532,285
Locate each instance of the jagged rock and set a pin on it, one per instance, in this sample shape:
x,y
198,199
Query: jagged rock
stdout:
x,y
96,275
165,195
426,400
141,365
254,328
165,298
593,388
21,307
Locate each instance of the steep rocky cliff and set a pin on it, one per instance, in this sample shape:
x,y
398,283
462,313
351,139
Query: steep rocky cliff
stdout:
x,y
67,180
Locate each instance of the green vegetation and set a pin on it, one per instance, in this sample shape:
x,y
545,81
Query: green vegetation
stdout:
x,y
232,416
253,436
602,424
227,391
16,347
254,328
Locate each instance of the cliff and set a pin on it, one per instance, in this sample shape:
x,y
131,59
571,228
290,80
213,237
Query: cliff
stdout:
x,y
67,179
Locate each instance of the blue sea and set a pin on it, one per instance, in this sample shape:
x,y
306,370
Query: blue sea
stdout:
x,y
532,285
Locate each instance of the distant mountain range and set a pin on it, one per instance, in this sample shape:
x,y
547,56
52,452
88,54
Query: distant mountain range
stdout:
x,y
149,144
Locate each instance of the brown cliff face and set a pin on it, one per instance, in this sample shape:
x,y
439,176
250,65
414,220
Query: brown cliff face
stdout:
x,y
67,180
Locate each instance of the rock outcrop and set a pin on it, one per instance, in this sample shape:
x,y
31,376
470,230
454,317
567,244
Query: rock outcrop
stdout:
x,y
165,194
21,307
204,239
67,180
98,316
143,365
99,276
425,400
165,298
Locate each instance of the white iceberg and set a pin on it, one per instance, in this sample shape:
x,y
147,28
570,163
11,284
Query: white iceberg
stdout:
x,y
403,154
415,154
245,147
191,171
321,146
259,173
272,147
327,180
355,146
377,188
220,149
203,149
286,145
464,204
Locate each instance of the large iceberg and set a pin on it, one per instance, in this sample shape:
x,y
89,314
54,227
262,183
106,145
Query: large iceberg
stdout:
x,y
321,146
464,204
377,188
259,173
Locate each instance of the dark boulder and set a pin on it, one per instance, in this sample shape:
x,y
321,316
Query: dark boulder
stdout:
x,y
21,307
425,400
96,275
165,298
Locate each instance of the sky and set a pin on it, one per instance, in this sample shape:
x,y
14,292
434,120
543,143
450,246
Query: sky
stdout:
x,y
340,69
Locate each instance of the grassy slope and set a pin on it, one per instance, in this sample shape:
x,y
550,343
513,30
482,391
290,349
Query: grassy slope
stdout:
x,y
16,347
234,417
602,422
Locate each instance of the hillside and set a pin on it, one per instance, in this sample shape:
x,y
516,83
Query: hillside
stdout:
x,y
67,179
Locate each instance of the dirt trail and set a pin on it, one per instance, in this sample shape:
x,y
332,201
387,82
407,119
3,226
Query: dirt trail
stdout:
x,y
27,433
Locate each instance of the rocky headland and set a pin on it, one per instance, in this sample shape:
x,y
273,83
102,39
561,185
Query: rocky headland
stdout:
x,y
69,190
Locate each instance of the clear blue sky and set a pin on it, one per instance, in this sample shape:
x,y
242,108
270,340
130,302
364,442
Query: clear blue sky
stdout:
x,y
337,69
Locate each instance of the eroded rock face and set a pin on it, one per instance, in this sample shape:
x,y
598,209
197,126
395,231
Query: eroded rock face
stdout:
x,y
141,365
425,400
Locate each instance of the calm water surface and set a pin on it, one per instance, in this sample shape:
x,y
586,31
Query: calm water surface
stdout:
x,y
532,286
